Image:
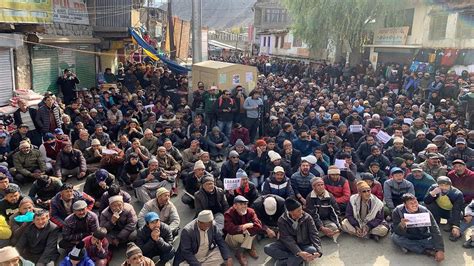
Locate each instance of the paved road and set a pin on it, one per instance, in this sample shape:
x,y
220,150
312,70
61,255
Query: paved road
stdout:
x,y
348,250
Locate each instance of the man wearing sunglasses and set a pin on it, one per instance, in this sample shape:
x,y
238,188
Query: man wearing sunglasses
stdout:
x,y
365,215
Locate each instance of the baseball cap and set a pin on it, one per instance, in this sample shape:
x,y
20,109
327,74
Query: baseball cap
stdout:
x,y
460,141
270,205
151,216
396,170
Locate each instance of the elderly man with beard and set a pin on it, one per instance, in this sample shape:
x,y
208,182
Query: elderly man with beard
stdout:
x,y
322,206
120,220
169,166
421,239
164,207
210,197
365,215
463,179
242,225
299,241
26,161
70,162
201,243
192,183
445,201
149,181
38,243
149,141
79,224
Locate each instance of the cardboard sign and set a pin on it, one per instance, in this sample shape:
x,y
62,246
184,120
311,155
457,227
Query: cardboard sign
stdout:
x,y
383,137
356,128
408,121
417,219
232,183
340,163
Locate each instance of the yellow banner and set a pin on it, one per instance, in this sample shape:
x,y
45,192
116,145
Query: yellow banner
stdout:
x,y
26,11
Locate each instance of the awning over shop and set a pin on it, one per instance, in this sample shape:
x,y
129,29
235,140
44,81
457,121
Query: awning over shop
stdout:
x,y
52,39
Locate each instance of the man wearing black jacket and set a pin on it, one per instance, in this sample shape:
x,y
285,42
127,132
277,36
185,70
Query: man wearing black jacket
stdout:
x,y
155,239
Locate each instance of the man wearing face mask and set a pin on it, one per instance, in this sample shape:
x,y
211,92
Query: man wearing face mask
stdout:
x,y
446,201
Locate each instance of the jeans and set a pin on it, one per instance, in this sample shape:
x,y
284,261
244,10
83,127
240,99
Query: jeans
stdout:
x,y
279,252
417,246
252,126
225,127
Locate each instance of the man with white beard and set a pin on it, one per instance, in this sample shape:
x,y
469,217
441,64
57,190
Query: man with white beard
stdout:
x,y
242,225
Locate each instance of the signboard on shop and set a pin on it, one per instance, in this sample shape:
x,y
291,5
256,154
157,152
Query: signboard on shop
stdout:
x,y
27,11
391,36
70,11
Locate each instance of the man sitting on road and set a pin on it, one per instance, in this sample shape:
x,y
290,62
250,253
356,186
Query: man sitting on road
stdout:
x,y
421,239
156,239
365,215
210,197
120,220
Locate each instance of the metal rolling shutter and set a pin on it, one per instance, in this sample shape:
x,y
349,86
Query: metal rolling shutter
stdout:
x,y
85,66
6,76
45,69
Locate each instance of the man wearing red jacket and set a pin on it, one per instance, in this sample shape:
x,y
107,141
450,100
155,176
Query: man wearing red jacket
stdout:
x,y
463,179
338,186
375,186
242,225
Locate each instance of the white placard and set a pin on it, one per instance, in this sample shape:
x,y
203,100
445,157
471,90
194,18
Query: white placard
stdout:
x,y
356,128
108,151
149,106
408,121
248,76
340,163
383,136
417,219
232,183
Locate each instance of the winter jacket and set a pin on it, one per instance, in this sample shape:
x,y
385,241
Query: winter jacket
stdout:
x,y
45,193
26,163
282,188
306,147
306,233
467,155
377,189
202,201
464,182
417,233
92,188
322,208
33,113
43,119
125,225
152,248
233,222
456,198
75,229
190,240
339,189
249,192
226,109
228,170
40,243
168,214
301,184
393,192
268,220
70,161
58,212
421,185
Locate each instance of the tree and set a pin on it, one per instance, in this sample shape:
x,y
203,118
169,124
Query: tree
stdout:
x,y
316,21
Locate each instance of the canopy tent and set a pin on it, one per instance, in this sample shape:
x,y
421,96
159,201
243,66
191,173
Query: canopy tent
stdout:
x,y
153,54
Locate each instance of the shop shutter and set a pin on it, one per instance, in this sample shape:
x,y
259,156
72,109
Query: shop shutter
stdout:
x,y
6,77
45,69
67,59
85,67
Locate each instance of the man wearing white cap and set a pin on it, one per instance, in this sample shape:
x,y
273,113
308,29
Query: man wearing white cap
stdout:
x,y
201,243
164,207
150,180
192,183
120,220
268,209
10,256
276,160
278,184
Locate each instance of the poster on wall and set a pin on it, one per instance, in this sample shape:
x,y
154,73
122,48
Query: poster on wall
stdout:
x,y
222,78
236,79
71,11
248,76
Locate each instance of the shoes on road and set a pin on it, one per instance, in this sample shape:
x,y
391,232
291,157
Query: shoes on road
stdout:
x,y
241,258
375,237
468,244
253,253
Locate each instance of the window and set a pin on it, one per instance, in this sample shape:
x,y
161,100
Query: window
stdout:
x,y
282,44
402,18
268,39
268,15
464,28
297,42
264,41
275,15
438,27
276,41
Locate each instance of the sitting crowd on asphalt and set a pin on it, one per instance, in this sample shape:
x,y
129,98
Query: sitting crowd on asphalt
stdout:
x,y
313,151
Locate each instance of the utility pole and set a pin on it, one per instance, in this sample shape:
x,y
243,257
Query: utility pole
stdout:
x,y
171,32
197,31
148,17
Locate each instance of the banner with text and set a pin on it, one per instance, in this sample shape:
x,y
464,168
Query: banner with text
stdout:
x,y
26,11
71,11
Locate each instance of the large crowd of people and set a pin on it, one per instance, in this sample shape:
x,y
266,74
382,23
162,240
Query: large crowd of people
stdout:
x,y
315,150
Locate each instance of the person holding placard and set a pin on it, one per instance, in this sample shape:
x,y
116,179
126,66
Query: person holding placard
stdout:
x,y
365,215
414,237
446,201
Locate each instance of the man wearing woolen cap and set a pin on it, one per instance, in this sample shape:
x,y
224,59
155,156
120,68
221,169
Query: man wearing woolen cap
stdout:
x,y
135,257
461,151
201,243
299,241
155,238
446,201
120,220
463,179
79,224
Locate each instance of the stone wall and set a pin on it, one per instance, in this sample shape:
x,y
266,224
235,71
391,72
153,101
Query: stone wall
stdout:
x,y
65,29
22,68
